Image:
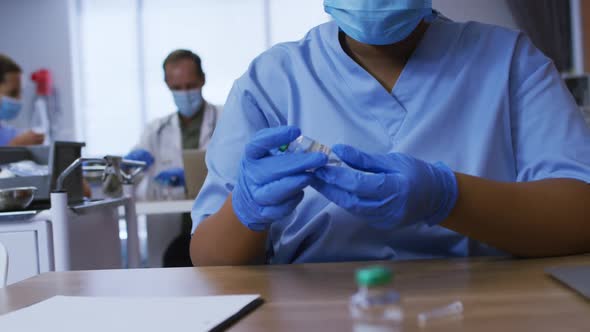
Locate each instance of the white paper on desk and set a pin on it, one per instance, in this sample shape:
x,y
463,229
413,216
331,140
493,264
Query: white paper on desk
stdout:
x,y
106,314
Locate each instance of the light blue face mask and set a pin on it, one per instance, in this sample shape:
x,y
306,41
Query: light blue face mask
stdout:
x,y
378,22
188,101
9,108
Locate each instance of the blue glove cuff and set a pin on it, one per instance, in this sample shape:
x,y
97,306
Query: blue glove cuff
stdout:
x,y
450,192
141,155
241,212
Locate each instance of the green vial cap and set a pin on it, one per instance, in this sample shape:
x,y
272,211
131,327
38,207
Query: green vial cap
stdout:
x,y
373,276
284,147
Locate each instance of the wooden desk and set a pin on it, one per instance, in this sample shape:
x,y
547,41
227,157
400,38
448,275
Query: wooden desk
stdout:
x,y
498,294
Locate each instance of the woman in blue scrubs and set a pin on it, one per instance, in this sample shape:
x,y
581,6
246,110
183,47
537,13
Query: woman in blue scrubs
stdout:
x,y
10,106
459,139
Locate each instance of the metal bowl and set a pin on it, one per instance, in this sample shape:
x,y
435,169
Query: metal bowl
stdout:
x,y
16,198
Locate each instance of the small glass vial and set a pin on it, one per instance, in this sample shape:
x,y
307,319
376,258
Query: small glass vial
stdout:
x,y
376,306
164,191
304,144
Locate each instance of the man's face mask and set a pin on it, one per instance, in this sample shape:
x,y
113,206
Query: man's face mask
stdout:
x,y
188,101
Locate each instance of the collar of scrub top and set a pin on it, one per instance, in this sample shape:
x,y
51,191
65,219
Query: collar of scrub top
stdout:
x,y
366,93
356,76
353,68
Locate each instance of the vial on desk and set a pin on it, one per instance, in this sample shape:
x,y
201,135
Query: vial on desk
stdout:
x,y
376,306
162,191
304,144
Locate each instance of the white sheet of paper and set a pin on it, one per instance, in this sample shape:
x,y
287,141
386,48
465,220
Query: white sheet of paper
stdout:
x,y
144,314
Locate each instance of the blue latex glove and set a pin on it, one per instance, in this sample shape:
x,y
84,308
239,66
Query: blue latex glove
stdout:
x,y
269,187
141,155
390,189
173,177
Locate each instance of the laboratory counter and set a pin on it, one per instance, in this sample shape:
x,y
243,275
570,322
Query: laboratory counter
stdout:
x,y
497,294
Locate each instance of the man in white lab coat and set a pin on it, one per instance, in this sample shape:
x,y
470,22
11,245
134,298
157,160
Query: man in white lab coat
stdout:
x,y
161,145
190,127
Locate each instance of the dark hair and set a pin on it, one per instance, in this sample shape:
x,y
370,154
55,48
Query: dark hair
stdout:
x,y
178,55
7,65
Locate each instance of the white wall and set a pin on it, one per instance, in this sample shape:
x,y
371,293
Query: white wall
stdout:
x,y
36,34
39,33
485,11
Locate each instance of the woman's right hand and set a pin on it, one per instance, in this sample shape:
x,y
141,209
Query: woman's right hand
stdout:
x,y
269,187
27,138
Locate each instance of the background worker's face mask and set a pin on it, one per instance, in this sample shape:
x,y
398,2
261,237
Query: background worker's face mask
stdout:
x,y
9,108
188,101
378,22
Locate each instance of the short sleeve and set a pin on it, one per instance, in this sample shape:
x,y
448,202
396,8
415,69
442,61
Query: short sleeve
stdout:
x,y
240,120
7,134
549,135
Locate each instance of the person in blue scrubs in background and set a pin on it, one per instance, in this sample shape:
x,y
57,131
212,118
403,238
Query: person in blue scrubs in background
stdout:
x,y
459,139
11,105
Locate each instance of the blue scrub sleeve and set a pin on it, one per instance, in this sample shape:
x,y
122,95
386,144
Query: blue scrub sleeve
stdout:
x,y
549,135
240,120
7,133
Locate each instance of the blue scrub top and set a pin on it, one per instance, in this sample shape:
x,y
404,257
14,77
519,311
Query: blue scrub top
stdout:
x,y
7,133
480,98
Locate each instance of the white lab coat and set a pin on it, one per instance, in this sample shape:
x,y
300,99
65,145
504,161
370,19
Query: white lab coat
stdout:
x,y
163,139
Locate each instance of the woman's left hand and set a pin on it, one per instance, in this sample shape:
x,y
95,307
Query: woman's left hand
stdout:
x,y
389,189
